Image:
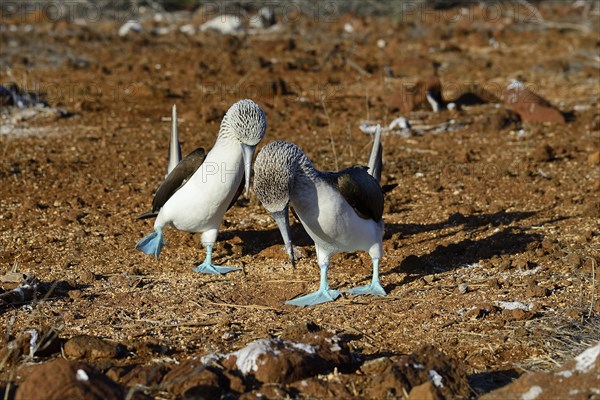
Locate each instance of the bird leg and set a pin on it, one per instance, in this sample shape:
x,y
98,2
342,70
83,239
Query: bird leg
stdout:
x,y
207,267
374,288
323,295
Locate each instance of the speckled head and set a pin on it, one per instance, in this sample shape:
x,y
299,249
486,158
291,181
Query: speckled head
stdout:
x,y
247,121
275,170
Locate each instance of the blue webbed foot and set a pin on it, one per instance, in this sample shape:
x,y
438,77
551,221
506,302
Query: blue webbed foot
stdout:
x,y
152,244
374,288
318,297
208,268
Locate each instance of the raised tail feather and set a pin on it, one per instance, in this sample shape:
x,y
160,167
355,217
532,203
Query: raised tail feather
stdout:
x,y
148,214
174,146
375,159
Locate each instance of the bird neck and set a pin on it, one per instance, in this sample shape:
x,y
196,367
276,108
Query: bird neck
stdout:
x,y
304,169
226,134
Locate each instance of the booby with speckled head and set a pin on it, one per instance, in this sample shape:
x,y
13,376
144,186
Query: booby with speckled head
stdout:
x,y
203,186
341,211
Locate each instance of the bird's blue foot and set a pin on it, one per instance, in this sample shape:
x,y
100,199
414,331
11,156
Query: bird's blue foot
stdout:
x,y
318,297
152,244
208,268
374,288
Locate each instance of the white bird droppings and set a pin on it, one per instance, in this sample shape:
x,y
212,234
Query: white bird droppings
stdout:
x,y
587,359
532,393
247,357
32,342
304,347
513,305
82,376
436,378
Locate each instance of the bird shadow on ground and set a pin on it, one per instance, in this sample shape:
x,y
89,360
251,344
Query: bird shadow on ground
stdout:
x,y
456,255
468,221
446,257
255,241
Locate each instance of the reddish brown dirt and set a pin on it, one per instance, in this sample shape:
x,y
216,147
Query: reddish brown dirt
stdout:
x,y
492,210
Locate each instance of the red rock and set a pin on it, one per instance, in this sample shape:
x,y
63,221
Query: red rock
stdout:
x,y
530,106
577,379
62,379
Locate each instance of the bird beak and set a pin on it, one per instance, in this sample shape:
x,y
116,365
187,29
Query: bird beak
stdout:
x,y
247,154
283,222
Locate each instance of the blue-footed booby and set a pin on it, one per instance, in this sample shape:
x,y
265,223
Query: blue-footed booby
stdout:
x,y
200,188
341,211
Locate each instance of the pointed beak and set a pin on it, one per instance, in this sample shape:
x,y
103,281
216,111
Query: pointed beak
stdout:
x,y
283,222
247,154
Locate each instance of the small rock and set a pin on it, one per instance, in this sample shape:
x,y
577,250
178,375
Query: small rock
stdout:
x,y
89,347
493,283
463,288
145,375
536,291
87,277
522,264
594,158
543,153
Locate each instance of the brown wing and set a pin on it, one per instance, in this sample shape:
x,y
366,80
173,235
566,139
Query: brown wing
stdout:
x,y
361,191
178,177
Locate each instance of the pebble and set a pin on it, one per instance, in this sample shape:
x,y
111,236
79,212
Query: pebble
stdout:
x,y
594,158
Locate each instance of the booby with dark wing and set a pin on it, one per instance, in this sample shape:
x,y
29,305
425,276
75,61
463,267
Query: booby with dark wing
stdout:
x,y
341,211
200,188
